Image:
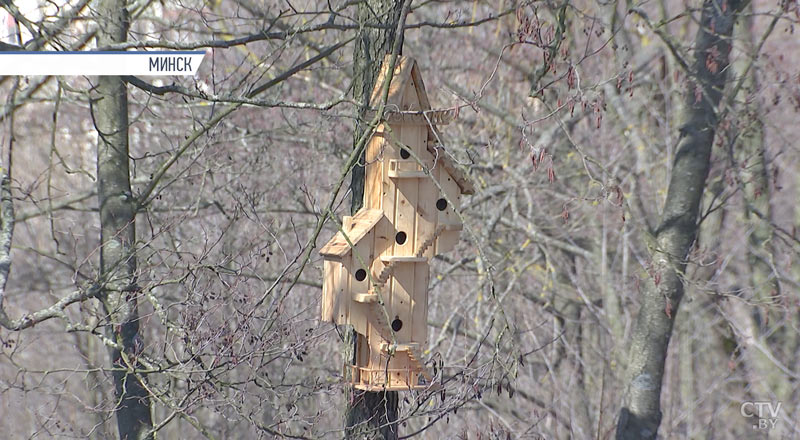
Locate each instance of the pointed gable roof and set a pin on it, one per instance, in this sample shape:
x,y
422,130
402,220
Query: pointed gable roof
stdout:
x,y
407,74
356,228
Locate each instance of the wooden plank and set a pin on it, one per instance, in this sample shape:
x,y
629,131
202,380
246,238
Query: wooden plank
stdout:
x,y
359,312
366,298
342,298
398,367
363,252
362,354
419,315
399,80
373,178
416,117
405,221
448,240
426,207
357,227
385,237
402,75
378,318
455,172
407,195
405,169
328,290
410,99
378,358
400,347
451,189
431,214
402,299
373,339
384,231
427,221
400,259
419,84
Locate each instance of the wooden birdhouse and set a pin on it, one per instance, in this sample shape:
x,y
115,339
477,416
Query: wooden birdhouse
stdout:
x,y
376,269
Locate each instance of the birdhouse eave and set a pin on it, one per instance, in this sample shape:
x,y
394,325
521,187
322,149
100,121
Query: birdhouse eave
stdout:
x,y
359,225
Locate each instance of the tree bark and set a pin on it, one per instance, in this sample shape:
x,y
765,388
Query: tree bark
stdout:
x,y
118,234
371,45
750,158
640,415
369,415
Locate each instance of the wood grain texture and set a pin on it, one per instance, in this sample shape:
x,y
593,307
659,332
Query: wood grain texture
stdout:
x,y
356,229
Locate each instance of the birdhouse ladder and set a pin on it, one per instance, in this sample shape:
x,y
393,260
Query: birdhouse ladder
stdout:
x,y
385,273
376,311
392,261
432,239
415,355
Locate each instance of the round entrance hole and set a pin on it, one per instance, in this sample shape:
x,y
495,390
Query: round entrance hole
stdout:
x,y
400,238
404,153
397,324
361,275
441,204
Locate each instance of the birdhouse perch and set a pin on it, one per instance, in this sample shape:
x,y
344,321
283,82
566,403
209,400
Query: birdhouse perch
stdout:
x,y
376,268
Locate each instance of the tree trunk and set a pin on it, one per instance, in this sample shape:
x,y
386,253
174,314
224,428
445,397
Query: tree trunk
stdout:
x,y
369,415
752,162
117,233
640,415
371,45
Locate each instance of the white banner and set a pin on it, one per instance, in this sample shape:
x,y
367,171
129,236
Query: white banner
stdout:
x,y
87,63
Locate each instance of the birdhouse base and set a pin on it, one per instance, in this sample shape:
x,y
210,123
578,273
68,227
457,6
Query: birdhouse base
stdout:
x,y
383,379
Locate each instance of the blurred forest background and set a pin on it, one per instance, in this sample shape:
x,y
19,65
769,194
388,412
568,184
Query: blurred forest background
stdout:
x,y
570,115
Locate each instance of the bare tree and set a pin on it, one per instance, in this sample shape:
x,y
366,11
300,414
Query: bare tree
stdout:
x,y
566,257
120,291
677,229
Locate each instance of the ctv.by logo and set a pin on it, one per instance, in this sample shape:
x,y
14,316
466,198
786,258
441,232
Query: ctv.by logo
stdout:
x,y
765,412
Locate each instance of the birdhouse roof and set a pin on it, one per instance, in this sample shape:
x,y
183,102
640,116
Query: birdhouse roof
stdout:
x,y
356,228
407,74
459,176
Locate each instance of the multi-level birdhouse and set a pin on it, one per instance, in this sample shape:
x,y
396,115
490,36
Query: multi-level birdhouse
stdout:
x,y
376,268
